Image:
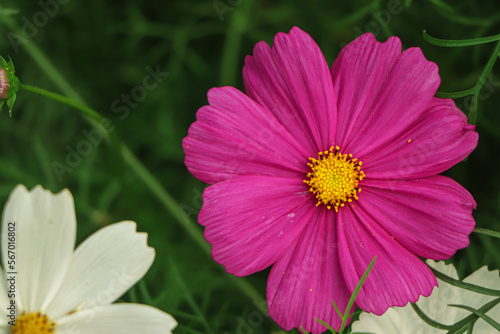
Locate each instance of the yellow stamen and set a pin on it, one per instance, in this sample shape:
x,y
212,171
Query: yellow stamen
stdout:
x,y
34,323
334,178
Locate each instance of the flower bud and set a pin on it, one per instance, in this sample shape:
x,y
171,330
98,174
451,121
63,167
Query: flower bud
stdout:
x,y
4,84
9,84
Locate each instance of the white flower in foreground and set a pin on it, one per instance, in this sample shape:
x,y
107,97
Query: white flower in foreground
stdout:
x,y
56,289
404,320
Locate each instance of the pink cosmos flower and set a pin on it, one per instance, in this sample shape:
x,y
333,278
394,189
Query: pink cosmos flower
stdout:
x,y
316,171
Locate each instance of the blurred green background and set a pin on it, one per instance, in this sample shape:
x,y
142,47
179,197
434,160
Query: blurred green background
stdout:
x,y
101,52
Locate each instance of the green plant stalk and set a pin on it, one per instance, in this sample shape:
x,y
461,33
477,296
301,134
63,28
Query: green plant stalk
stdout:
x,y
487,232
464,285
42,61
428,320
480,83
140,170
152,183
189,297
238,25
76,101
448,43
480,314
482,78
463,324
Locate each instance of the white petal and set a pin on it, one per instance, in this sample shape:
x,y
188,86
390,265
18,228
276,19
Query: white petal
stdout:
x,y
4,299
5,329
45,229
436,305
119,319
396,320
103,267
404,320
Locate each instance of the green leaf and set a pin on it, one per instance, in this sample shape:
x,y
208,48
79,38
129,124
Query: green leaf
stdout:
x,y
337,309
326,325
461,42
355,294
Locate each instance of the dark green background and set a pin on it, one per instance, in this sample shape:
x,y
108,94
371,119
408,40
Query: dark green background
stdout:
x,y
102,50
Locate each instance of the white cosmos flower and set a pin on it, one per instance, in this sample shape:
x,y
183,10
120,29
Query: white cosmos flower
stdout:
x,y
404,320
65,291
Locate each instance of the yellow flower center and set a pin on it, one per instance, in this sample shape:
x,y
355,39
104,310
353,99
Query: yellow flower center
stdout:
x,y
334,178
34,323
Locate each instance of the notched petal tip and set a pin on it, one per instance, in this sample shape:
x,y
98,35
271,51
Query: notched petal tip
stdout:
x,y
130,227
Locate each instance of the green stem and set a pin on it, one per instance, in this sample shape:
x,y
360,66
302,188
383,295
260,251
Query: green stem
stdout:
x,y
237,27
455,95
63,99
487,232
153,184
480,83
43,62
459,42
74,100
140,170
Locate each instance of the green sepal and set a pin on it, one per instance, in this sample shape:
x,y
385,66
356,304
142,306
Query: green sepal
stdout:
x,y
13,82
10,103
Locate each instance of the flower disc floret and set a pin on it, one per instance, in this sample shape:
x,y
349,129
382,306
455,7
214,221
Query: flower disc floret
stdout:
x,y
334,178
34,323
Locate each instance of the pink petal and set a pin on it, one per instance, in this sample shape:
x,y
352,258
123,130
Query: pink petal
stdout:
x,y
293,82
359,74
305,281
251,221
235,136
379,101
430,217
397,277
435,142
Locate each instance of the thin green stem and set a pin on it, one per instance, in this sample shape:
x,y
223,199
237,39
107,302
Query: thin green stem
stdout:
x,y
455,95
428,320
482,78
238,25
63,99
480,82
43,62
487,232
463,324
174,270
153,184
480,314
459,42
74,100
465,285
140,170
387,31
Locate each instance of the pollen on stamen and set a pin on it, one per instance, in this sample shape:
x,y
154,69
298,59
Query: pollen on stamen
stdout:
x,y
334,178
